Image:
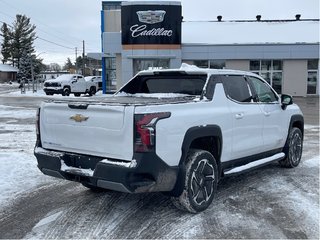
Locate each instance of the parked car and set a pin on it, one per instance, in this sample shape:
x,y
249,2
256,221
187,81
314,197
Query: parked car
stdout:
x,y
69,83
175,131
95,79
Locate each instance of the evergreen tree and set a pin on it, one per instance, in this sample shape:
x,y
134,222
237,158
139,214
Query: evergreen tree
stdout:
x,y
6,44
68,65
23,37
17,47
24,66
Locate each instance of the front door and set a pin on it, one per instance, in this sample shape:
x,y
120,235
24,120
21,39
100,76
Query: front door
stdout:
x,y
274,125
247,117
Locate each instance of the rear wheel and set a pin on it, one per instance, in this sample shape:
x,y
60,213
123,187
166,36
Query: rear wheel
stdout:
x,y
92,91
293,149
201,178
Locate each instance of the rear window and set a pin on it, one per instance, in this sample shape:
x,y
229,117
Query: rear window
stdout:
x,y
182,84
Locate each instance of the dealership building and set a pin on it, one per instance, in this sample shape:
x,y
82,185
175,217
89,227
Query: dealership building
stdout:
x,y
152,35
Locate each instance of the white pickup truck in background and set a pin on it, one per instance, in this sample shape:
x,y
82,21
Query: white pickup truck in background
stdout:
x,y
95,79
70,83
175,131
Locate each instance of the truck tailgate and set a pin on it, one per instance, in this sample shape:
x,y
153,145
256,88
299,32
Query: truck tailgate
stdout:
x,y
95,129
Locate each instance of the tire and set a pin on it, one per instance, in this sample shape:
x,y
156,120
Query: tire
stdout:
x,y
66,91
77,94
92,188
293,149
200,184
92,91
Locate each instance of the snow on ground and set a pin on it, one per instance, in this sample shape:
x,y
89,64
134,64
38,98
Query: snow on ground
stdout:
x,y
18,166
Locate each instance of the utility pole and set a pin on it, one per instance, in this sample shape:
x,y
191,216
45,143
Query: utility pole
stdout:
x,y
34,87
76,60
83,54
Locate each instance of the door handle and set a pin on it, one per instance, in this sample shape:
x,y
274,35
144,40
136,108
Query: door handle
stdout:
x,y
267,114
239,115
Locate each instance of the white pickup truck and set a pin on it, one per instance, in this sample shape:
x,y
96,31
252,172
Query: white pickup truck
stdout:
x,y
174,131
70,83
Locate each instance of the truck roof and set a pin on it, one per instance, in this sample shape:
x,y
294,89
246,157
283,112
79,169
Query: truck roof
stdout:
x,y
192,69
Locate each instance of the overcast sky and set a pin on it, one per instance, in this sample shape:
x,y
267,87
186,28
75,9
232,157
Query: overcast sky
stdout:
x,y
65,23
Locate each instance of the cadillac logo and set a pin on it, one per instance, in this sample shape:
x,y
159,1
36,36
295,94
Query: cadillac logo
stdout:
x,y
79,118
151,17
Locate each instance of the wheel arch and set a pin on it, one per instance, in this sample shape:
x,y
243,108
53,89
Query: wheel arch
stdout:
x,y
298,122
207,138
194,138
295,121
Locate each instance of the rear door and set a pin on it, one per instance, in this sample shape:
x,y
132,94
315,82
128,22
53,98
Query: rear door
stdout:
x,y
247,117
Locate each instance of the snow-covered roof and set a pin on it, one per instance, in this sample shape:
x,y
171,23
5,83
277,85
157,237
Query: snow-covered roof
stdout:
x,y
192,69
8,68
250,32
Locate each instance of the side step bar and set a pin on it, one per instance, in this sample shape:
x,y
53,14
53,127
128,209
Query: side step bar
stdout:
x,y
254,165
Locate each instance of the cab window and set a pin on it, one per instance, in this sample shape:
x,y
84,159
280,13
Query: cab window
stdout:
x,y
236,88
263,91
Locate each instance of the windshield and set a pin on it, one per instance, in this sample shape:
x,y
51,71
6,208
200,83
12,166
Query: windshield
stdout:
x,y
169,83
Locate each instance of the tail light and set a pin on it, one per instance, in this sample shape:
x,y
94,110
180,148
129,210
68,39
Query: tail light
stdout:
x,y
145,130
38,127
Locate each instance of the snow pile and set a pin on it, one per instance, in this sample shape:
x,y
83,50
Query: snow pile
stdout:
x,y
152,95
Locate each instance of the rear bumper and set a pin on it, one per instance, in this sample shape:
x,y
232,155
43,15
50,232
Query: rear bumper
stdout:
x,y
147,173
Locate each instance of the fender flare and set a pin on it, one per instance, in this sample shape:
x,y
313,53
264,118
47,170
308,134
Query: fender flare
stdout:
x,y
199,132
192,134
297,118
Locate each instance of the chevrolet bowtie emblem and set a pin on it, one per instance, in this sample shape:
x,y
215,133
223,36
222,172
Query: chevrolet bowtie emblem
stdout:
x,y
79,118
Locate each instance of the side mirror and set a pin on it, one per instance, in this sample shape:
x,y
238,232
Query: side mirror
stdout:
x,y
285,101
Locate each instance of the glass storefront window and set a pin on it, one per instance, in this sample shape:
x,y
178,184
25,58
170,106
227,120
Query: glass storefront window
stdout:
x,y
312,80
276,81
277,65
217,64
254,65
266,65
313,64
110,70
149,64
270,70
201,63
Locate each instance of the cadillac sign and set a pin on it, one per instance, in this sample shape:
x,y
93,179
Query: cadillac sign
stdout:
x,y
151,24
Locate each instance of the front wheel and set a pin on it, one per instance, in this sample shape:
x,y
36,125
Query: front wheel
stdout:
x,y
293,149
66,91
200,185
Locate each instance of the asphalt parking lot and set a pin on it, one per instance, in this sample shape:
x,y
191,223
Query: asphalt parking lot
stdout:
x,y
267,203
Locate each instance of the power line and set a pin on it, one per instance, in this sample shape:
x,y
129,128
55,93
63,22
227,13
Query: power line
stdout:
x,y
64,34
60,45
41,30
